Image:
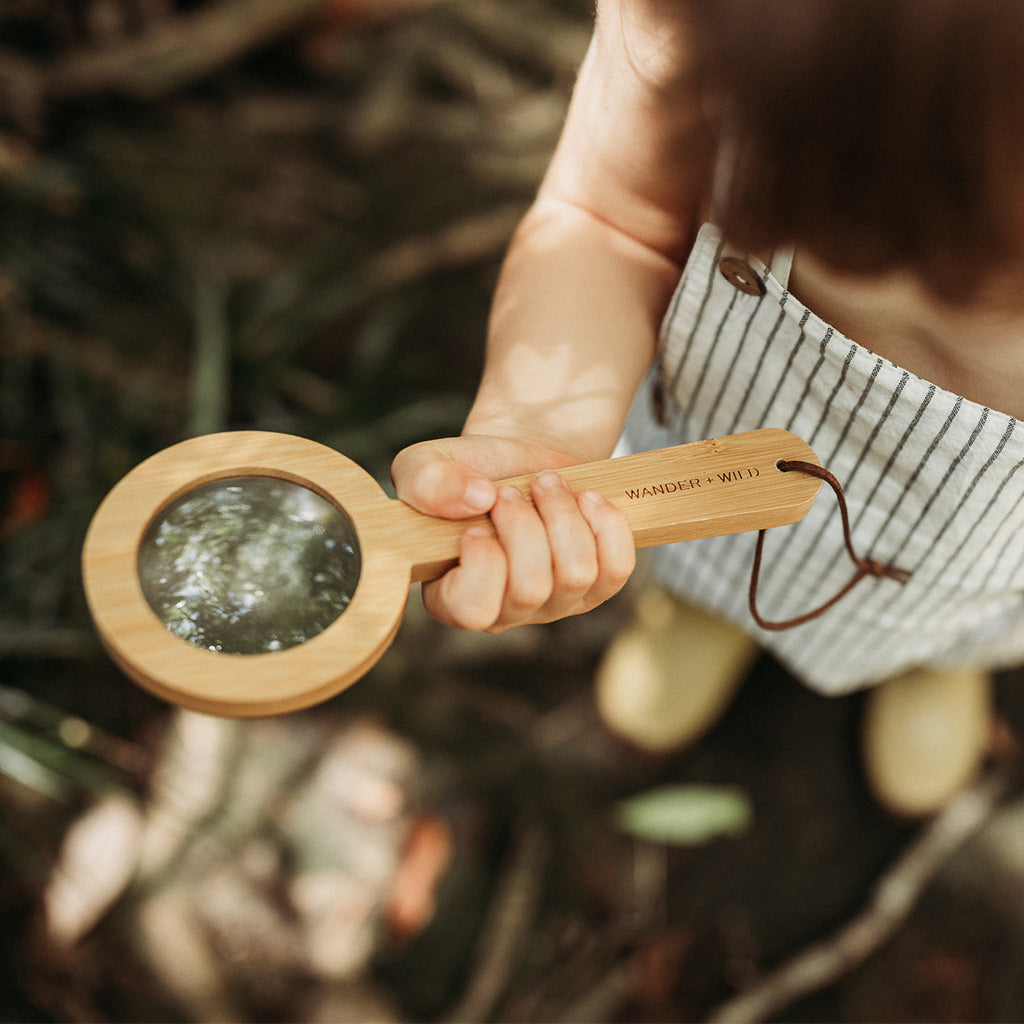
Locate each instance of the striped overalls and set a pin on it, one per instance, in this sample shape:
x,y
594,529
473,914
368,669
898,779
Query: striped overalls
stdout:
x,y
933,483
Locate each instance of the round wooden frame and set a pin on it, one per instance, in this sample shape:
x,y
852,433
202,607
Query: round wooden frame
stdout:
x,y
231,684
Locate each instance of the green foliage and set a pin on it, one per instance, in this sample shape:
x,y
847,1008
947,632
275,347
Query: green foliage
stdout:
x,y
684,815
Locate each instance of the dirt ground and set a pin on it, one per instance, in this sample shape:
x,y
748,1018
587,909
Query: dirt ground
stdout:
x,y
288,215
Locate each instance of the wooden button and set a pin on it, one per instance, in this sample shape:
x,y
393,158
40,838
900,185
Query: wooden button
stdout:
x,y
741,275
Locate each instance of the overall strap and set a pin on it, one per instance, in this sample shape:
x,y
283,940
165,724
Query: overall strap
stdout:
x,y
780,264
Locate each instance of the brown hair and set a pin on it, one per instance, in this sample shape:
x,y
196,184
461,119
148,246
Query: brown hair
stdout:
x,y
880,134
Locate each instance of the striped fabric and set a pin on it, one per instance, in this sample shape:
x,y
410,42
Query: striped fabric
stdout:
x,y
933,482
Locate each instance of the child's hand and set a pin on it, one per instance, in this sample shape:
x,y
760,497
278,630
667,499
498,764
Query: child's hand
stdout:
x,y
561,556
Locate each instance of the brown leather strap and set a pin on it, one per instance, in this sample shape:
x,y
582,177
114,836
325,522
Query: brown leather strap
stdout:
x,y
865,566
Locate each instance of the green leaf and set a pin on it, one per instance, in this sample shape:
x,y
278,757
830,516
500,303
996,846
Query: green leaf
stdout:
x,y
49,767
684,815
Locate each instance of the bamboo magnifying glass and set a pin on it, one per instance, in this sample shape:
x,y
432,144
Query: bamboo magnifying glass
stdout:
x,y
253,573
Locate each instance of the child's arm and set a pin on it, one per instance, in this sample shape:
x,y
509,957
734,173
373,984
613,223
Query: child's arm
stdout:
x,y
573,328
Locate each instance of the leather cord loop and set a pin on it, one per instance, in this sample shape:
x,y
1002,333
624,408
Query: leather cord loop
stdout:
x,y
865,566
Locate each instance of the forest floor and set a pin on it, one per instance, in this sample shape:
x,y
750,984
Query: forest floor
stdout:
x,y
289,215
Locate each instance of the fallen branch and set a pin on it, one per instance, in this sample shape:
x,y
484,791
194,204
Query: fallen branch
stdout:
x,y
473,239
173,53
21,640
179,50
604,999
512,912
894,897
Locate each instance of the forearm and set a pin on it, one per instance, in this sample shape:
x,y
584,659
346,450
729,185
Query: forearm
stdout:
x,y
573,329
592,268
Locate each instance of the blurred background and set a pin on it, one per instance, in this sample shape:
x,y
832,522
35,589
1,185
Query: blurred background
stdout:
x,y
288,215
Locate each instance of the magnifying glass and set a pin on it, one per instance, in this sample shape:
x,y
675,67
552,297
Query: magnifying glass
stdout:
x,y
252,573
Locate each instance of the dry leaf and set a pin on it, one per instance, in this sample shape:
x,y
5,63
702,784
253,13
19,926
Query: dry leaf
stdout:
x,y
97,861
428,852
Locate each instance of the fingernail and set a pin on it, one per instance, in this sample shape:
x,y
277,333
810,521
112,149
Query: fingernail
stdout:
x,y
594,497
510,493
478,495
548,480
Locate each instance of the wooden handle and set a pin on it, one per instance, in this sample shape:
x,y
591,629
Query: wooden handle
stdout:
x,y
705,489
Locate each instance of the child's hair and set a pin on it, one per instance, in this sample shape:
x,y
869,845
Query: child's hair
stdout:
x,y
880,134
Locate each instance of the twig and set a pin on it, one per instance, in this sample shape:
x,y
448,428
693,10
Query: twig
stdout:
x,y
182,50
20,640
894,897
553,46
604,999
22,88
211,371
167,56
473,239
25,710
512,911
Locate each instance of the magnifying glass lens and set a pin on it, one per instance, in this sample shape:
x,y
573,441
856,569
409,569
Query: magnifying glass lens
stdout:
x,y
249,565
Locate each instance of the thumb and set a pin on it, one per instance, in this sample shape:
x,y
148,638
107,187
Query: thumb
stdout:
x,y
430,479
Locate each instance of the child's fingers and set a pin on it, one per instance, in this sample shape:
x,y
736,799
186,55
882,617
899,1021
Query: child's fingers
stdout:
x,y
573,547
616,548
433,482
522,533
471,595
566,554
562,555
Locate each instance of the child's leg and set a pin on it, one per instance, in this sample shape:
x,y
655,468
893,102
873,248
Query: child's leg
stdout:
x,y
925,735
667,677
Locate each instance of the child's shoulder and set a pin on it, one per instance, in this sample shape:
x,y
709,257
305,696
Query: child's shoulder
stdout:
x,y
651,37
